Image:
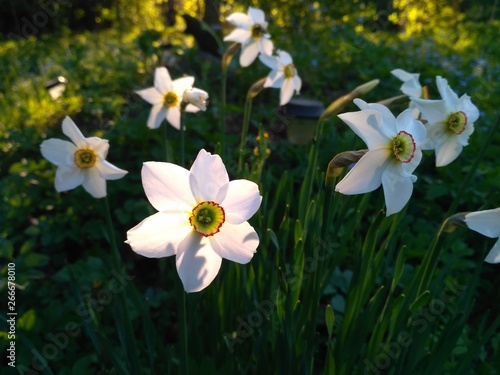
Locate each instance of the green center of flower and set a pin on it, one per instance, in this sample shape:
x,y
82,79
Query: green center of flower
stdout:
x,y
457,122
170,99
403,147
289,71
207,218
85,158
257,31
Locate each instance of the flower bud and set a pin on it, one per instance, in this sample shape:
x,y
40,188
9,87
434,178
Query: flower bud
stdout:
x,y
196,97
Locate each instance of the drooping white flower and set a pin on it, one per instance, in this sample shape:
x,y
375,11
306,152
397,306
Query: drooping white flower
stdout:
x,y
251,33
283,75
450,122
81,161
488,224
196,97
411,86
202,218
393,154
166,97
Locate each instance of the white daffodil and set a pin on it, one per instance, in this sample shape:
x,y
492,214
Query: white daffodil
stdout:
x,y
196,97
202,218
166,97
450,122
488,224
251,33
283,75
411,86
392,157
80,162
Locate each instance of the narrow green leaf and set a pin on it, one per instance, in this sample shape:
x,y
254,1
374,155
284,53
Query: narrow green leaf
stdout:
x,y
274,239
330,320
420,301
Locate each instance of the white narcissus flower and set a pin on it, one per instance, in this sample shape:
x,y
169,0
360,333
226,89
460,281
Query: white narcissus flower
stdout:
x,y
392,157
251,33
196,97
202,218
166,97
283,75
411,86
488,224
80,162
450,122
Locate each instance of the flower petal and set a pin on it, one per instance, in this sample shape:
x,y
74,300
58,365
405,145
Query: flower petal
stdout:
x,y
265,46
182,84
159,235
238,36
72,132
404,75
163,82
248,53
156,116
286,91
275,79
174,117
465,104
68,178
285,58
108,171
241,201
197,263
486,222
398,188
297,83
59,152
447,151
269,61
94,183
207,175
167,187
151,95
407,123
100,146
388,119
434,111
447,94
366,175
240,20
368,125
237,243
494,254
257,15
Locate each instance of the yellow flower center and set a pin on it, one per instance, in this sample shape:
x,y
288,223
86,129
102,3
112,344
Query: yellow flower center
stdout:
x,y
85,158
257,31
457,122
289,71
207,218
170,99
403,147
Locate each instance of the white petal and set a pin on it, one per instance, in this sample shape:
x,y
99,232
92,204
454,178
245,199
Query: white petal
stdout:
x,y
94,183
367,124
59,152
157,114
494,254
192,109
248,53
163,82
167,187
388,119
275,79
182,84
269,61
265,46
108,171
447,151
412,88
465,104
447,94
174,117
366,175
68,178
406,122
159,235
236,243
297,83
72,132
285,57
151,95
403,75
398,188
197,263
413,163
238,36
434,111
100,146
207,175
486,222
286,91
257,15
241,201
241,20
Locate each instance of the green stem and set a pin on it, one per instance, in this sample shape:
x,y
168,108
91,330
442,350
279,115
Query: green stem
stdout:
x,y
222,111
111,234
244,131
184,336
